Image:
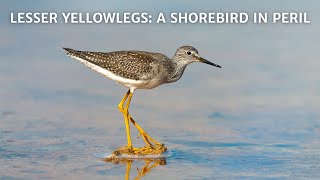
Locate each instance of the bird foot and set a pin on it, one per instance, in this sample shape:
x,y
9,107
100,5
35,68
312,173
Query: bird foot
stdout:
x,y
147,150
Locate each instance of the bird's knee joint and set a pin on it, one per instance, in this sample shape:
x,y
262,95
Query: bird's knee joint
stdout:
x,y
120,108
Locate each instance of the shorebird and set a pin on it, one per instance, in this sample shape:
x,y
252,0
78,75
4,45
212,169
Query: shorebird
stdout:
x,y
139,70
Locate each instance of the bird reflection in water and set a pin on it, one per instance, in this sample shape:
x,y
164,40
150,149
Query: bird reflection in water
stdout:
x,y
148,165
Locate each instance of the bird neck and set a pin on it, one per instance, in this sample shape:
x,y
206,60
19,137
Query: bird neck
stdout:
x,y
177,69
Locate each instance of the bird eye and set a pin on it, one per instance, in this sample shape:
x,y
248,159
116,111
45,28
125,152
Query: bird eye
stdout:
x,y
189,53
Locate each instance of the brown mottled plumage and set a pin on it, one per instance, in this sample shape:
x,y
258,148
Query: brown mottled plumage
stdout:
x,y
139,69
128,64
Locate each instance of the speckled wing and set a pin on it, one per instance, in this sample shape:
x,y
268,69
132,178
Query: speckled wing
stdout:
x,y
135,65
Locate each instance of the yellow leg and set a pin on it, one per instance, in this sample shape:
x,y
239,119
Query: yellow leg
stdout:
x,y
158,148
144,135
125,112
120,106
126,119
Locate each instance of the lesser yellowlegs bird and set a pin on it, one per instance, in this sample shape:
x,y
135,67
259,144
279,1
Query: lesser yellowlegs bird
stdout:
x,y
139,70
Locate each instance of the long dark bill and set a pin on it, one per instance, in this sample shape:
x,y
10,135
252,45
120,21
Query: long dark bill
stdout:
x,y
208,62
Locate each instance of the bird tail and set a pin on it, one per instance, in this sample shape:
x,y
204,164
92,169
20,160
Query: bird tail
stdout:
x,y
75,54
71,51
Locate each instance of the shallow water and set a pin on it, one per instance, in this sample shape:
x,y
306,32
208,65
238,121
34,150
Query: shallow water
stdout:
x,y
42,148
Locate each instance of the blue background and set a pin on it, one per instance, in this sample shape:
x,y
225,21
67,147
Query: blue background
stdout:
x,y
257,117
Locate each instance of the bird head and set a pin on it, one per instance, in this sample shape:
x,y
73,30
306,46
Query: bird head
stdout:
x,y
189,54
